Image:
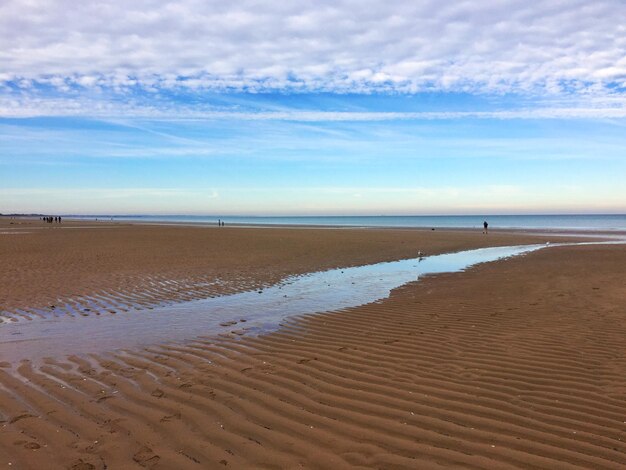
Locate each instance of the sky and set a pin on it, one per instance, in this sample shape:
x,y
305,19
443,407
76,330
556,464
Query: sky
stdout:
x,y
312,108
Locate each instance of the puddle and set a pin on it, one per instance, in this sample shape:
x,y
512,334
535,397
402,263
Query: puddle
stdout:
x,y
242,313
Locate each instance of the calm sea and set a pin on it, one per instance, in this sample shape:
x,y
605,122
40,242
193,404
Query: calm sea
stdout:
x,y
610,222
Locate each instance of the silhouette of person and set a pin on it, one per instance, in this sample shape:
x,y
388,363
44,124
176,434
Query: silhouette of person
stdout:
x,y
485,226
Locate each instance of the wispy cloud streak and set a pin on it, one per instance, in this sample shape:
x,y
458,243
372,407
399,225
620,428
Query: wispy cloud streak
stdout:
x,y
76,107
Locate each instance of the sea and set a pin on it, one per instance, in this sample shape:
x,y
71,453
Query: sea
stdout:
x,y
573,222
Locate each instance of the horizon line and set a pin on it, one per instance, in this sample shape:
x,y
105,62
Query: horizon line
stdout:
x,y
533,214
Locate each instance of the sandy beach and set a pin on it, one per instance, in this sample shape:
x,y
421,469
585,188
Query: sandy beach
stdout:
x,y
519,363
44,264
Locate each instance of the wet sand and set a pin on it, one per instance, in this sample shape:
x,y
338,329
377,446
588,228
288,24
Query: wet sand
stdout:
x,y
48,265
518,363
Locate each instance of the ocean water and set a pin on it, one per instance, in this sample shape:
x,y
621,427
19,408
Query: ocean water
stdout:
x,y
605,222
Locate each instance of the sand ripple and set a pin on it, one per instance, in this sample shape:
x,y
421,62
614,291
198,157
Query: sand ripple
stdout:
x,y
518,364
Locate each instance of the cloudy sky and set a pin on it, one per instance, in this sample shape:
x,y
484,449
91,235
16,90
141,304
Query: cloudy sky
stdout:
x,y
342,107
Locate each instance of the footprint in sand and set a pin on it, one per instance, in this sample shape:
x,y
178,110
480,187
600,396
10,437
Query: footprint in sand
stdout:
x,y
168,418
146,457
27,445
82,465
304,361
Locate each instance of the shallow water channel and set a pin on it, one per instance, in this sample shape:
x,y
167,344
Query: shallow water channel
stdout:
x,y
246,312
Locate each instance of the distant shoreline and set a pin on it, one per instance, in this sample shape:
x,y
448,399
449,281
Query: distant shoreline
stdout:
x,y
339,223
550,223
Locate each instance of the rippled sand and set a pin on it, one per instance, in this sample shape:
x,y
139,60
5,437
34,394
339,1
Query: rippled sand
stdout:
x,y
519,363
86,268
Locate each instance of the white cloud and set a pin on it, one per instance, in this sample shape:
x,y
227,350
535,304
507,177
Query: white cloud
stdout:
x,y
25,105
340,46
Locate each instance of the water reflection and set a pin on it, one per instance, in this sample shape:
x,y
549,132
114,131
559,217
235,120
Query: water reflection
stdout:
x,y
246,312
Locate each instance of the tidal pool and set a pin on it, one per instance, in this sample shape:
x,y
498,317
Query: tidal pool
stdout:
x,y
249,312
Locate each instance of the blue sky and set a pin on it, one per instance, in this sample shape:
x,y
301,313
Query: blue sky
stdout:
x,y
313,108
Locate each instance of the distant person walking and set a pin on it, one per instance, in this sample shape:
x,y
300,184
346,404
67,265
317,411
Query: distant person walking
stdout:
x,y
485,227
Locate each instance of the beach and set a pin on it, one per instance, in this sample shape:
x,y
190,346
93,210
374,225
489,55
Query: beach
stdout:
x,y
518,363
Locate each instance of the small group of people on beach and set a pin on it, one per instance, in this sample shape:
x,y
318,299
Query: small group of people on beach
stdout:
x,y
220,223
51,219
